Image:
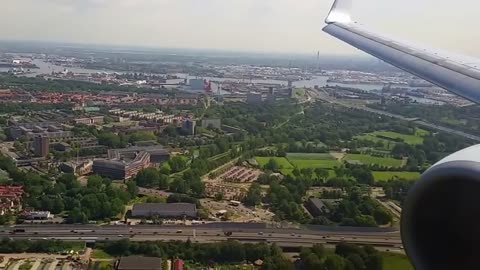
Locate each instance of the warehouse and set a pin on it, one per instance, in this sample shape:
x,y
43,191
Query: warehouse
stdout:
x,y
138,263
165,210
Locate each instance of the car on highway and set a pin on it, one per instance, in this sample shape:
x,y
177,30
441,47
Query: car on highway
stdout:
x,y
260,233
179,231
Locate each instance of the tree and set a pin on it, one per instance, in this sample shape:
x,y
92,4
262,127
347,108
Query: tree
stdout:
x,y
177,164
58,205
321,173
272,165
334,262
219,196
95,182
77,216
148,177
374,262
254,195
357,261
163,181
382,216
132,189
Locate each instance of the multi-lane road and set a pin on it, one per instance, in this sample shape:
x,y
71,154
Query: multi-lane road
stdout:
x,y
287,238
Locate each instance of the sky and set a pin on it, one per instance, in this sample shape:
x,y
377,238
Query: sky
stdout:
x,y
238,25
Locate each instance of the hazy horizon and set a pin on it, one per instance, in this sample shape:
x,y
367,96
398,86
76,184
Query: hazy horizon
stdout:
x,y
276,26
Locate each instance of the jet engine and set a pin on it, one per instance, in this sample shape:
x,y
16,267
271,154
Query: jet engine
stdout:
x,y
441,216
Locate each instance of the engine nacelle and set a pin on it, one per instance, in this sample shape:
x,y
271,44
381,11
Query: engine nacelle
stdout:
x,y
441,215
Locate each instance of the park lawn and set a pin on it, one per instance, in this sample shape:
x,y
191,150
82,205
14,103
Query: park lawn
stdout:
x,y
100,254
410,139
282,162
367,159
310,156
394,261
385,176
324,164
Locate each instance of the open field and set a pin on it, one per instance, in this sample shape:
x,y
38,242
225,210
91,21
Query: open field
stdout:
x,y
283,162
367,159
385,176
310,163
310,156
393,261
410,139
100,254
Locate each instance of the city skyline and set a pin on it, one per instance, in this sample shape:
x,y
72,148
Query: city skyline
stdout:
x,y
275,26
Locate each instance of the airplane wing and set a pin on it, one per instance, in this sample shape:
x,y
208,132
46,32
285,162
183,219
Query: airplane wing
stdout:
x,y
460,75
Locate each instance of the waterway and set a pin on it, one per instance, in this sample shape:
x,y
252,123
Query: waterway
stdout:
x,y
320,81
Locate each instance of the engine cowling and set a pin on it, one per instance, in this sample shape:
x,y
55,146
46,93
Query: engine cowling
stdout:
x,y
441,216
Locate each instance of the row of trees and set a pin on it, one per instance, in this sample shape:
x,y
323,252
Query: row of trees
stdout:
x,y
346,257
227,252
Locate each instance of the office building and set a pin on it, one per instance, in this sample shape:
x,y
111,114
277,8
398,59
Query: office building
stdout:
x,y
212,123
138,263
165,210
41,146
121,169
188,126
157,153
254,98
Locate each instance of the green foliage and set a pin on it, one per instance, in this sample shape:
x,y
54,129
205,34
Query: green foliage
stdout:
x,y
36,246
204,254
254,195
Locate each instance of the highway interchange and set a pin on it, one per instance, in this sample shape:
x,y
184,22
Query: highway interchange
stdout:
x,y
286,238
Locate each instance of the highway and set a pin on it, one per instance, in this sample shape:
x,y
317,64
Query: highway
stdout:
x,y
286,238
321,95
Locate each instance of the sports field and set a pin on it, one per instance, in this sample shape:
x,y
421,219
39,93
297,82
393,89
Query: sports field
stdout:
x,y
385,176
389,137
367,159
314,163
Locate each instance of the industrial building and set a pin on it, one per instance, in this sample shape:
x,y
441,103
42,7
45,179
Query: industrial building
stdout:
x,y
188,126
78,169
316,207
29,133
41,145
157,153
214,123
165,210
121,169
138,263
254,98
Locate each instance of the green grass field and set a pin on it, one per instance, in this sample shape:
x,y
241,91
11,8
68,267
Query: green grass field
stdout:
x,y
394,261
385,176
389,144
283,162
366,159
310,156
100,254
410,139
325,164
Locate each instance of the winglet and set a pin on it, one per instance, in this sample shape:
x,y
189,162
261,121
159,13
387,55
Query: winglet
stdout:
x,y
340,12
